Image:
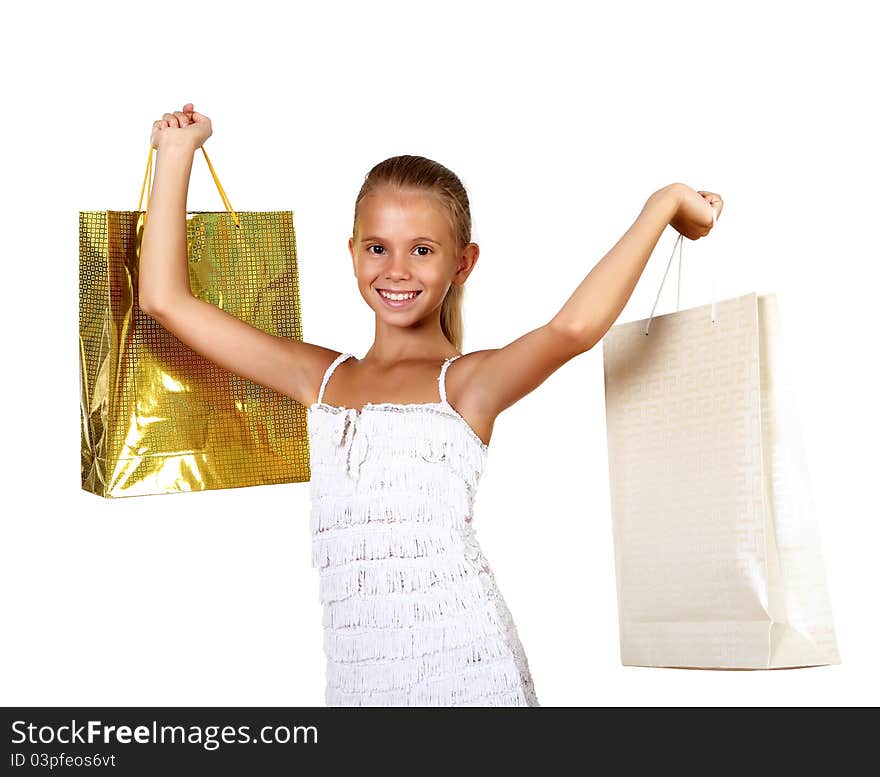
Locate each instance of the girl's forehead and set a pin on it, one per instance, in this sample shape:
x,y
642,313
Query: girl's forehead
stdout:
x,y
394,210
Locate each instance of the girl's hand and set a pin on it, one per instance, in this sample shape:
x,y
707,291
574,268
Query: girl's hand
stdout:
x,y
185,126
693,216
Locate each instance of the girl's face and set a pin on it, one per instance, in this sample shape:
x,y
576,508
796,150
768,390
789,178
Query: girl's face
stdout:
x,y
405,245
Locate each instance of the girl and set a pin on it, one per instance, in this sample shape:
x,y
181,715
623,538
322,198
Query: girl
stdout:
x,y
399,439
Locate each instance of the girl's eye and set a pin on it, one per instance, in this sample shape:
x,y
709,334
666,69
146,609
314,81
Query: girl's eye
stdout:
x,y
376,245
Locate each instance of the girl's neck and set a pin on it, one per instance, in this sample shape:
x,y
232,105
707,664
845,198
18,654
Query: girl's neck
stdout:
x,y
388,354
422,342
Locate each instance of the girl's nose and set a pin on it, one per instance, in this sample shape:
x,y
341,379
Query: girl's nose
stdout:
x,y
398,267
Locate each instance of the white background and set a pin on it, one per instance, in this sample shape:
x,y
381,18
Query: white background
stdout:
x,y
560,119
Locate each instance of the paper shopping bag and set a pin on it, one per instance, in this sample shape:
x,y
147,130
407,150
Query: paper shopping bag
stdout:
x,y
157,417
717,549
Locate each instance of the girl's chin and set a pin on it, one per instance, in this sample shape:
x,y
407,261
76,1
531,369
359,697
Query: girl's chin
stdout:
x,y
391,304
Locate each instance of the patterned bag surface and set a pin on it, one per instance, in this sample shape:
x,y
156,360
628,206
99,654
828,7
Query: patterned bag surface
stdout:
x,y
156,416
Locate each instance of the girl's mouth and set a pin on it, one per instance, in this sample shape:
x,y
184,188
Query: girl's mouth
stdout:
x,y
404,299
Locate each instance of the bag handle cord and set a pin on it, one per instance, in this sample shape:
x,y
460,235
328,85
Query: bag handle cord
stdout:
x,y
677,245
148,185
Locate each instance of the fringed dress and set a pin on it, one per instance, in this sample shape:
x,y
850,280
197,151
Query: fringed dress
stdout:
x,y
412,615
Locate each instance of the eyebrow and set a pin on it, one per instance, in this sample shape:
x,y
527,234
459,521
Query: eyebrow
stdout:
x,y
414,240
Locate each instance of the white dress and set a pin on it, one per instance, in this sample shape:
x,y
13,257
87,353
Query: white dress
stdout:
x,y
411,612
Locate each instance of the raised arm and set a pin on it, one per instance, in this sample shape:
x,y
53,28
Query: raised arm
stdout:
x,y
291,367
502,376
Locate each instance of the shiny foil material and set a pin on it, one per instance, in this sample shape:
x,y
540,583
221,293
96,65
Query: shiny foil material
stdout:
x,y
157,417
717,548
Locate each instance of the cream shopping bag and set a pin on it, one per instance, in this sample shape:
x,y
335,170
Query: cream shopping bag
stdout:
x,y
717,549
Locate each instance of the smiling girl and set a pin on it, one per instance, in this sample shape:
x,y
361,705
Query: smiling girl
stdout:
x,y
412,612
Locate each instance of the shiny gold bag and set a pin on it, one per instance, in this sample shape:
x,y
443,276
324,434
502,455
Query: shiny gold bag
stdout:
x,y
156,416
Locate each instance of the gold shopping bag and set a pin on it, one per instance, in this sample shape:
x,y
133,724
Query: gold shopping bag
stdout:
x,y
717,549
156,416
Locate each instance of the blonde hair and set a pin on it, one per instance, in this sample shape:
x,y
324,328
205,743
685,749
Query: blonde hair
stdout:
x,y
417,172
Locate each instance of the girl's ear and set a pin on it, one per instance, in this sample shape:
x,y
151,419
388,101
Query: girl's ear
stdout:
x,y
468,259
354,266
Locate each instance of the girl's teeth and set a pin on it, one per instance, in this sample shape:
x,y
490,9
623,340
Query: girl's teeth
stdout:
x,y
397,296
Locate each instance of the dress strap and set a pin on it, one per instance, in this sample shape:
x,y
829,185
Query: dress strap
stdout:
x,y
329,371
441,379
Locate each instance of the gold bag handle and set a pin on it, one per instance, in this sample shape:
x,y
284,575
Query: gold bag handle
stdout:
x,y
148,178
